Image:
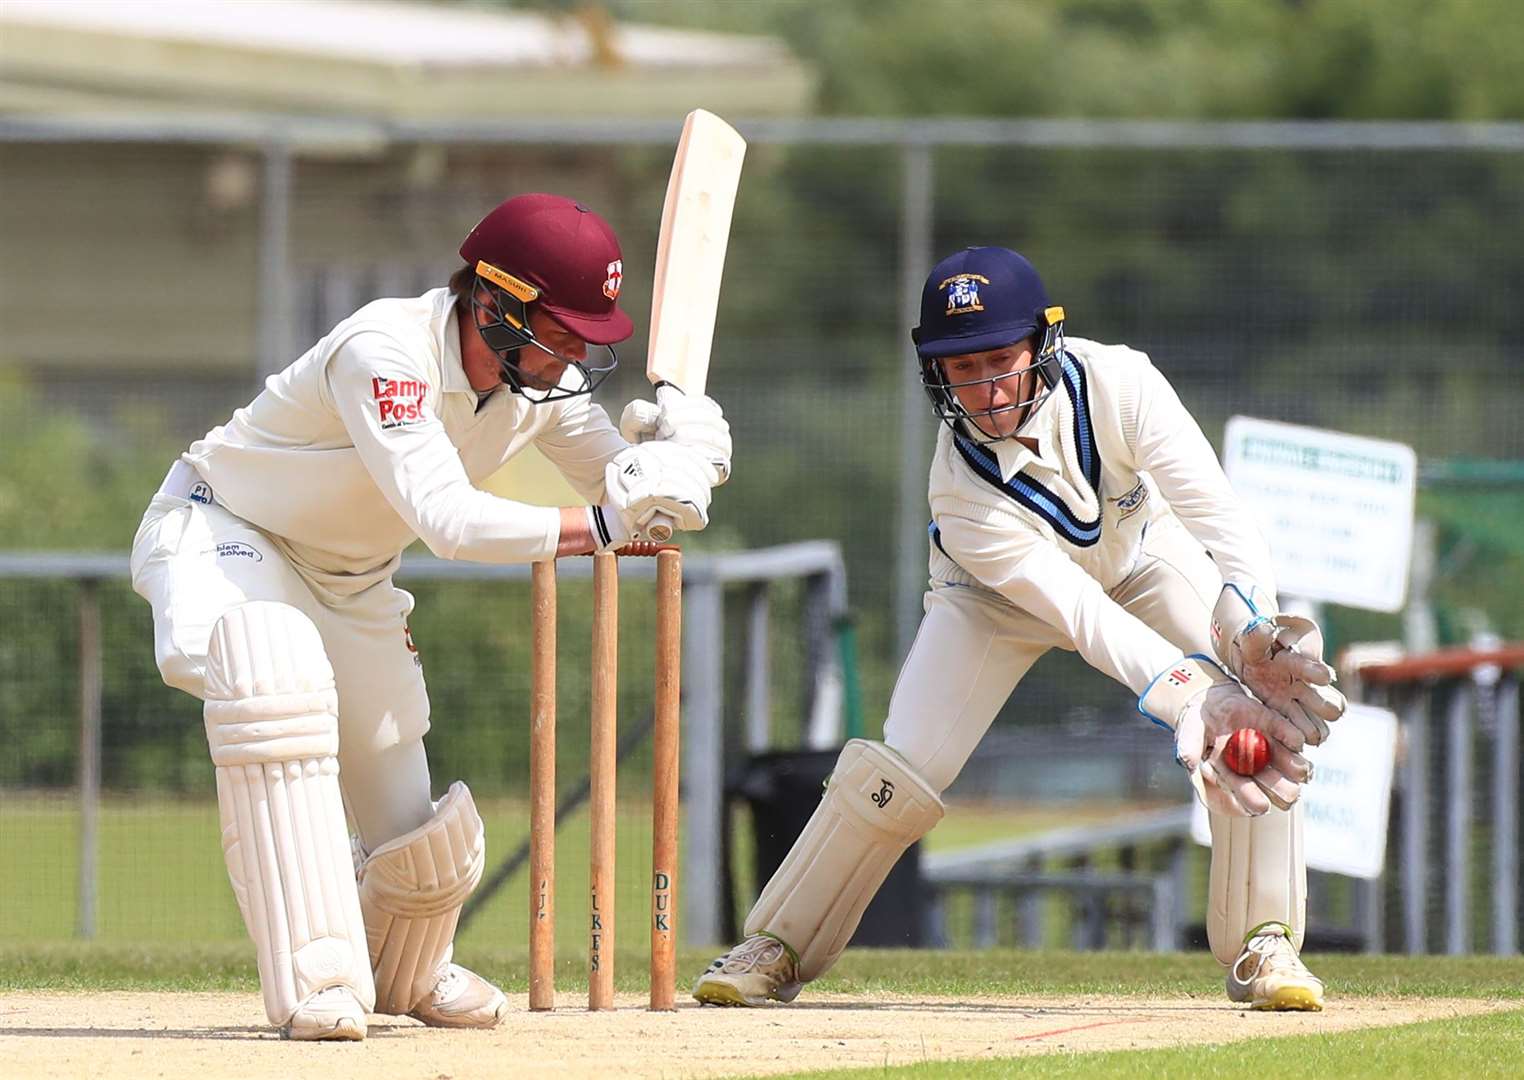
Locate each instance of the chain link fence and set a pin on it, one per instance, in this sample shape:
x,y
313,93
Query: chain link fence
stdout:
x,y
1363,277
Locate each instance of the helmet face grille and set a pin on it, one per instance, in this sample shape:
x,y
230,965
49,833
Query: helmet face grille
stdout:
x,y
948,408
502,319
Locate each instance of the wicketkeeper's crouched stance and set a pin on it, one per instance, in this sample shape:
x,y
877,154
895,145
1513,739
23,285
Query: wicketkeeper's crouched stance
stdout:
x,y
1075,504
268,555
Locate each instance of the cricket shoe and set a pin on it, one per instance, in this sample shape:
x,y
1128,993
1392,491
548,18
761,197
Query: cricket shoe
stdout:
x,y
333,1013
1268,974
462,999
758,970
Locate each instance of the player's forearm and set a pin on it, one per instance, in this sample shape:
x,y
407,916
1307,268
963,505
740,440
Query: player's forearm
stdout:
x,y
466,523
576,533
1040,580
1116,642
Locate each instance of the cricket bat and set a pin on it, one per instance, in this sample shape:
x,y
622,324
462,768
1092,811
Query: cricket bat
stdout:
x,y
690,260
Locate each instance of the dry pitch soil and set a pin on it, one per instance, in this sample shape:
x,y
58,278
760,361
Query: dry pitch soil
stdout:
x,y
205,1036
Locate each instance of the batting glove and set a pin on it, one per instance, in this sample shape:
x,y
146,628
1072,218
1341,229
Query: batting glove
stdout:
x,y
657,478
691,420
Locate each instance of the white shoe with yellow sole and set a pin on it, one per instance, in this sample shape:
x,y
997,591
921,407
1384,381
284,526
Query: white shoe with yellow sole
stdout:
x,y
1268,974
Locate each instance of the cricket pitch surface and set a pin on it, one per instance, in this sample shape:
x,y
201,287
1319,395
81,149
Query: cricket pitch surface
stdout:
x,y
138,1035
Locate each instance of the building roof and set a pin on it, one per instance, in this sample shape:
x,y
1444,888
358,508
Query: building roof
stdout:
x,y
378,59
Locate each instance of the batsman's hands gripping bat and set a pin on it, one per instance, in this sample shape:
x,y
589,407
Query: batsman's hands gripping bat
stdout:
x,y
693,421
1278,657
654,478
690,260
1202,705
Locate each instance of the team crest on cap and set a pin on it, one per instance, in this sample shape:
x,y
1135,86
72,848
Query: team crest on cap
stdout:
x,y
963,293
615,279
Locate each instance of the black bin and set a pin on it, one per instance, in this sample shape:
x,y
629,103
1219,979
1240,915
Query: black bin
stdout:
x,y
783,789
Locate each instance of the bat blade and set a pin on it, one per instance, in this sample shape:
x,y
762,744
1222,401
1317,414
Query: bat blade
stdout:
x,y
690,259
690,255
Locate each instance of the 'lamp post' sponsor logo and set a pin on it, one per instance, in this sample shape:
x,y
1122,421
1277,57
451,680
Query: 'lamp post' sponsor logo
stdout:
x,y
399,402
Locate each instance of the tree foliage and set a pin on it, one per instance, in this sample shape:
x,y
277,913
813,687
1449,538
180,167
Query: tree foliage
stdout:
x,y
1352,59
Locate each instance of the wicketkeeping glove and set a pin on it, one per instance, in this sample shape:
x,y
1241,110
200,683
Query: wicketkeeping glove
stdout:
x,y
1202,705
1278,657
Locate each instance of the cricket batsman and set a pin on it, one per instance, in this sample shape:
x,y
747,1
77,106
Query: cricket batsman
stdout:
x,y
268,554
1075,504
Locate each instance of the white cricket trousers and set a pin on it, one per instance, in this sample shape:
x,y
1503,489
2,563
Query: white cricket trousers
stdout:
x,y
974,646
193,561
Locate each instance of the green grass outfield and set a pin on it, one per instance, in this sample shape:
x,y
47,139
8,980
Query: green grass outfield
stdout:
x,y
1474,1047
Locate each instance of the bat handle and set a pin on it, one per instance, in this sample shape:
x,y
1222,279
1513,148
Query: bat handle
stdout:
x,y
660,528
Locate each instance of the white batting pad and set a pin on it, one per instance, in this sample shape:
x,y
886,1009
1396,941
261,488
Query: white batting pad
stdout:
x,y
1259,874
874,808
272,725
411,891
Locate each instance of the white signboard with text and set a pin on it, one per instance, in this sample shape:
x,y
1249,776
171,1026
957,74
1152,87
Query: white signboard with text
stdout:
x,y
1347,802
1336,510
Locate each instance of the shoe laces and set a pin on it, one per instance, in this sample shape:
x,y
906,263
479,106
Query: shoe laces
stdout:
x,y
757,952
1272,954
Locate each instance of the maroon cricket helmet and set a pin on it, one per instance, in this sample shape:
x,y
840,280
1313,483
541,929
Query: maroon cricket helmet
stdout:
x,y
564,250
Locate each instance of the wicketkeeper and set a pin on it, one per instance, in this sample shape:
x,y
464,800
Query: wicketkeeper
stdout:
x,y
1075,504
268,556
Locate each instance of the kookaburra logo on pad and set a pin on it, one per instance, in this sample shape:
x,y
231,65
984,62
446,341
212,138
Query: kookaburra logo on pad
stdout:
x,y
882,796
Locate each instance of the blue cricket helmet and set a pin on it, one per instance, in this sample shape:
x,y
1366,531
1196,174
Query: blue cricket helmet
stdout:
x,y
979,299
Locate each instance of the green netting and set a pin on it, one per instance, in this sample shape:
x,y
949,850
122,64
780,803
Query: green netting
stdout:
x,y
1478,507
1477,501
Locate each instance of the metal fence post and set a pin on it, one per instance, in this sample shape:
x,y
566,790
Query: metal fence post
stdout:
x,y
273,344
1415,825
90,681
1505,821
703,756
1458,818
916,194
1162,917
1029,907
759,712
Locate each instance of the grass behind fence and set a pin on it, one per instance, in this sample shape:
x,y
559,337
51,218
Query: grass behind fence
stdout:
x,y
161,876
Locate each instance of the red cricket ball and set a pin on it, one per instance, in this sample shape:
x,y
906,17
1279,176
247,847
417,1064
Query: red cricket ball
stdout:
x,y
1247,752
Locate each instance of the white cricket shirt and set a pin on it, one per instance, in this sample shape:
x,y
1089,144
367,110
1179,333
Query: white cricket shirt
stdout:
x,y
374,438
1053,531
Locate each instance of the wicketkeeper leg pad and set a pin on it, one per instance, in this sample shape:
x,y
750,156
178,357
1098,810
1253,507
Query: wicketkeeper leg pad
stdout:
x,y
272,725
1259,875
875,806
411,891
